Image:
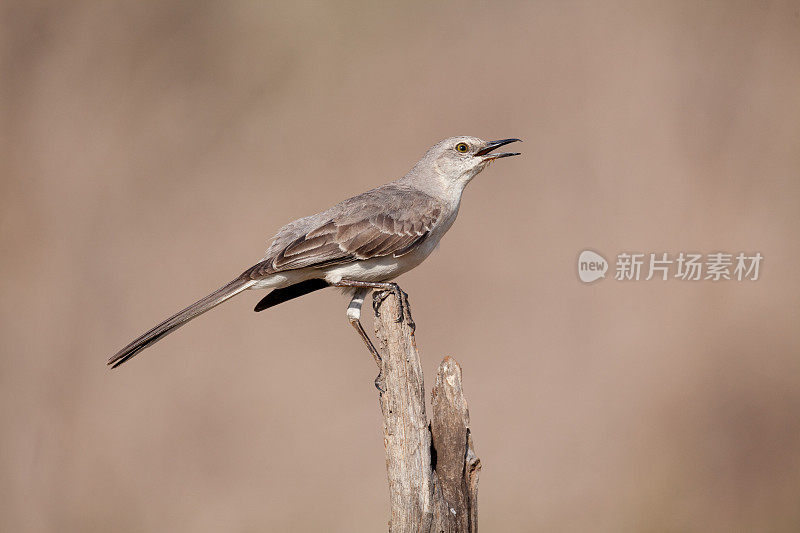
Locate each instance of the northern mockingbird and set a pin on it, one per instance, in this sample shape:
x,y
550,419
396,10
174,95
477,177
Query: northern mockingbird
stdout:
x,y
359,244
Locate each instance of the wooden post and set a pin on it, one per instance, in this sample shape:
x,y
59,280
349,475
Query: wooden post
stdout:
x,y
431,466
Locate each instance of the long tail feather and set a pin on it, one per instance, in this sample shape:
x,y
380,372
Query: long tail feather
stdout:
x,y
179,319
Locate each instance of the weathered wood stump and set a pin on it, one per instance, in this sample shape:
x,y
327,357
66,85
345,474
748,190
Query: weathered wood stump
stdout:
x,y
432,467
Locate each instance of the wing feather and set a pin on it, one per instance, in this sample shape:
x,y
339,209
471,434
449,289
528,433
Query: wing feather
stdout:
x,y
390,220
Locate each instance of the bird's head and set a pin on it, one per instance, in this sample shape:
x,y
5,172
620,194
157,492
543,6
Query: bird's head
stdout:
x,y
459,159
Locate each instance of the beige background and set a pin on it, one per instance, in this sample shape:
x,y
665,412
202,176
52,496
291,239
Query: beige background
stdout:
x,y
150,149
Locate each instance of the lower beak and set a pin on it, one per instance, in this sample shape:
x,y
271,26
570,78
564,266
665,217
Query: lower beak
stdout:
x,y
493,145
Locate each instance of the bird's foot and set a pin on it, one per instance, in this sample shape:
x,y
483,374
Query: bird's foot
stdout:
x,y
404,308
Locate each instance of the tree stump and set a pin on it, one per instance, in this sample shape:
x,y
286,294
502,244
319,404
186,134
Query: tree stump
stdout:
x,y
431,466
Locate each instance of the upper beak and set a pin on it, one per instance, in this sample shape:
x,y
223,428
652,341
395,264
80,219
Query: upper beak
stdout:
x,y
491,145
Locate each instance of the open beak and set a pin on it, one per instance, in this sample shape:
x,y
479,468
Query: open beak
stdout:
x,y
493,145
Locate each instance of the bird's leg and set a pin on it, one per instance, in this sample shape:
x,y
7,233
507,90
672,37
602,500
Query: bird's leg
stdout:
x,y
382,291
354,316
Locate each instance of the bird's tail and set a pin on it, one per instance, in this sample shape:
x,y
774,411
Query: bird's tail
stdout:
x,y
177,320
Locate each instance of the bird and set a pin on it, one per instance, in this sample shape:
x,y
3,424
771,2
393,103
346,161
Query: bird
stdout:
x,y
359,245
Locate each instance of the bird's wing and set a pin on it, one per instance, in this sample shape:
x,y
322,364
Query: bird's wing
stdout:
x,y
389,220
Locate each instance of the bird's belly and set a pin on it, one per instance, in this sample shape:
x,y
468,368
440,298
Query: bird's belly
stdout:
x,y
377,269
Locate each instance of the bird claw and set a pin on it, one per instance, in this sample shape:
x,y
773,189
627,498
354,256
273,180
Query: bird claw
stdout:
x,y
378,296
404,311
406,307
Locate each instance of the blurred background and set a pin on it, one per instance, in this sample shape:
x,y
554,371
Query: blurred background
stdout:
x,y
151,149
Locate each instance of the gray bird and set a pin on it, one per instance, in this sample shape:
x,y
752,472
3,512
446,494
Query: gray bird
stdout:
x,y
359,244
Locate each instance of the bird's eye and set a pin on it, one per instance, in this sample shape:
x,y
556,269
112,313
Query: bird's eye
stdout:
x,y
462,147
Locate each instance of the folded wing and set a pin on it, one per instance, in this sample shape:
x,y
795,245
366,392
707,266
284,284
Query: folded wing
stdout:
x,y
382,222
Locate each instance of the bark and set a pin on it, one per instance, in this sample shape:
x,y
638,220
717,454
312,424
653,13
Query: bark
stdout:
x,y
457,466
431,466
